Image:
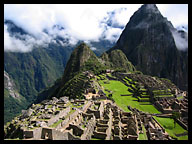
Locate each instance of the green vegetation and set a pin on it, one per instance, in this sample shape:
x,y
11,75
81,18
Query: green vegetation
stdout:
x,y
95,139
12,106
56,123
168,124
49,106
118,89
180,97
175,115
117,60
74,88
32,72
144,135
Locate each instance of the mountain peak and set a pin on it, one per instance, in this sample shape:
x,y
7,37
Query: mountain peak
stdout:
x,y
150,8
81,54
151,43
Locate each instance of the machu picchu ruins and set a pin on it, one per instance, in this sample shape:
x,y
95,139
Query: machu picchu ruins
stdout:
x,y
98,115
73,73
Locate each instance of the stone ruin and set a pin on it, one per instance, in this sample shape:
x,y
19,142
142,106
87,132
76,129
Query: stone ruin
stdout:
x,y
95,119
167,106
87,119
154,130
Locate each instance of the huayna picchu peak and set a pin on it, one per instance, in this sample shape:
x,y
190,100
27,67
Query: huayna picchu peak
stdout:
x,y
83,59
153,46
136,90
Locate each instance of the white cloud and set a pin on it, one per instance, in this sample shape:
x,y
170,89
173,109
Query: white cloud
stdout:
x,y
13,44
81,21
180,42
93,48
112,34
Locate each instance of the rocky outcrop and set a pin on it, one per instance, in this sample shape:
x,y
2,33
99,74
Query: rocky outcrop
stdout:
x,y
10,86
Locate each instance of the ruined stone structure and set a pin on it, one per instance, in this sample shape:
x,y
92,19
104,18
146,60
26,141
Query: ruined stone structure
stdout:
x,y
153,129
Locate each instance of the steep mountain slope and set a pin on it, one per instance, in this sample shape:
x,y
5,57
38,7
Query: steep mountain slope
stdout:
x,y
13,101
78,59
74,81
35,70
153,46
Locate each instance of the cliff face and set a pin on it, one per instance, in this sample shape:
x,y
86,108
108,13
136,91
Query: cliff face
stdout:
x,y
13,101
154,46
10,86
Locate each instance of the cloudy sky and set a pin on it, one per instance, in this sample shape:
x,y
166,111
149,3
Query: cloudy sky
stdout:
x,y
88,22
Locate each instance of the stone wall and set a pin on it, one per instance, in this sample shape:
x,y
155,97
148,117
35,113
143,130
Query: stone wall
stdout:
x,y
182,124
101,109
158,124
86,106
28,134
37,133
57,135
89,129
64,122
99,135
62,113
77,131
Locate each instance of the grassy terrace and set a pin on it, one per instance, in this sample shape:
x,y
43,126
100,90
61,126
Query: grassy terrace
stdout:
x,y
144,135
168,124
119,88
128,80
162,93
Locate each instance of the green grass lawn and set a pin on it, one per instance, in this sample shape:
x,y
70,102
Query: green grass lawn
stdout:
x,y
168,124
119,88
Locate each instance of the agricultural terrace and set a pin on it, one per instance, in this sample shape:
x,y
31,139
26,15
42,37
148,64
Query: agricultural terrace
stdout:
x,y
176,131
118,88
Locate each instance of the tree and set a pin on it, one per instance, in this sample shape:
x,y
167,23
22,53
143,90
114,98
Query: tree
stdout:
x,y
110,95
175,115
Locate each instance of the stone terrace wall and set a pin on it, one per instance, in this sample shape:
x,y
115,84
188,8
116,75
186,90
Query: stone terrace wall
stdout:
x,y
66,121
86,106
37,133
57,135
101,109
89,129
62,113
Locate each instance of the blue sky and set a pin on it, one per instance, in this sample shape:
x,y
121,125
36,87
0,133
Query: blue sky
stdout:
x,y
81,22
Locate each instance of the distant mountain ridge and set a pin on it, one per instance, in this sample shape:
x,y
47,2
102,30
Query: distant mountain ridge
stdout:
x,y
151,43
